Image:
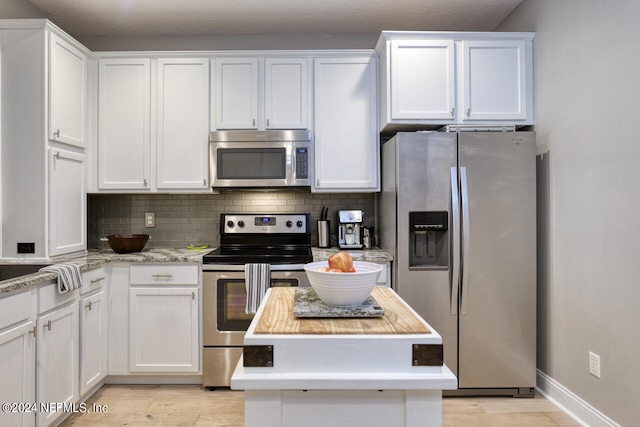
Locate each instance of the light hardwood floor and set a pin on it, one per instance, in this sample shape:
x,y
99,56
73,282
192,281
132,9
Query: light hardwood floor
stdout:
x,y
186,406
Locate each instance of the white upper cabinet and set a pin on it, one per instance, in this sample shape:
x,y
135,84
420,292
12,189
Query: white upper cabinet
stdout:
x,y
286,93
346,136
67,92
236,94
67,207
423,79
182,124
153,124
261,93
124,123
431,79
494,80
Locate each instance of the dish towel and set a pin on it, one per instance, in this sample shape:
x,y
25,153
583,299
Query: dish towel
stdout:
x,y
69,277
257,279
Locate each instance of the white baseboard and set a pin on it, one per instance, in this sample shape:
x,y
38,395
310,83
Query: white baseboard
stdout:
x,y
571,403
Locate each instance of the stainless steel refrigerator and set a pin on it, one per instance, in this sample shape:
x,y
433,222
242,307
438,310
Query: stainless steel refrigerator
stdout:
x,y
457,211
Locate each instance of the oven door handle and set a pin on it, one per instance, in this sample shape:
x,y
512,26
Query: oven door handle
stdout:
x,y
240,267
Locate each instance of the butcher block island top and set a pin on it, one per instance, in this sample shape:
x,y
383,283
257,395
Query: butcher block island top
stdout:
x,y
278,318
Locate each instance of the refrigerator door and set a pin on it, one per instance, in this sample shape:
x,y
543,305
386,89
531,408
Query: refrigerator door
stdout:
x,y
497,323
423,162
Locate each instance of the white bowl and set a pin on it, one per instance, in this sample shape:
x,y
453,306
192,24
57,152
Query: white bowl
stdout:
x,y
343,289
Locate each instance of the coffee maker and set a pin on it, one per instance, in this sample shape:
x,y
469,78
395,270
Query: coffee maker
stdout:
x,y
350,229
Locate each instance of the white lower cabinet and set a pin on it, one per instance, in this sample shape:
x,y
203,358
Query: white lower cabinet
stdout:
x,y
163,330
93,342
164,318
17,357
57,361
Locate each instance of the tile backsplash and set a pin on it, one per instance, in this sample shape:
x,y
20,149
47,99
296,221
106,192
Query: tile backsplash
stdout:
x,y
183,219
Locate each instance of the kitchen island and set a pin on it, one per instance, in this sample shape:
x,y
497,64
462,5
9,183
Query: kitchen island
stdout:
x,y
341,371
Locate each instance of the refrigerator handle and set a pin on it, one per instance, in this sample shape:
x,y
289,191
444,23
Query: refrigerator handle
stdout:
x,y
455,238
464,288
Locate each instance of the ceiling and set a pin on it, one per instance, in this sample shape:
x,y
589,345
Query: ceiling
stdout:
x,y
87,18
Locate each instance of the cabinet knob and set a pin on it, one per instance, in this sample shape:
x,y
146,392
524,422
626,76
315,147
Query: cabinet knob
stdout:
x,y
144,181
468,112
88,306
204,183
34,332
268,123
453,112
254,122
48,325
56,134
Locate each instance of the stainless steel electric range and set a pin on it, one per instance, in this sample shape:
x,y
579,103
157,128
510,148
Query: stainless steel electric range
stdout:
x,y
281,240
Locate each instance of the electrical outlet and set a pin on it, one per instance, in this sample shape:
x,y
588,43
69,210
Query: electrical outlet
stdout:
x,y
149,219
594,364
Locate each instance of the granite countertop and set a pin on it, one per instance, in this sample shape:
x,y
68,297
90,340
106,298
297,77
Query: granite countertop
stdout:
x,y
95,258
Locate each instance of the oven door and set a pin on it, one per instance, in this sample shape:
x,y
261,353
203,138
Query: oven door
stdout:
x,y
223,304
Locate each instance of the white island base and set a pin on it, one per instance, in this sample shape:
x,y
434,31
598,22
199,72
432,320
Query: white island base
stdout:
x,y
341,372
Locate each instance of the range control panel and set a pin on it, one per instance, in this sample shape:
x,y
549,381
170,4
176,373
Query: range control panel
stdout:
x,y
265,224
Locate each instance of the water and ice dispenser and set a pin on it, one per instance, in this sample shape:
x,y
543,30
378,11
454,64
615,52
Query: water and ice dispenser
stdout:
x,y
429,239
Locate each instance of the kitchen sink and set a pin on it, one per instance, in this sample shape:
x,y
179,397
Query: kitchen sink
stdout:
x,y
11,271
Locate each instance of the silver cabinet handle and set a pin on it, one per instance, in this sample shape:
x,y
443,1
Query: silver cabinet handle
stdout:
x,y
453,112
268,123
88,306
48,325
34,332
56,134
464,288
144,181
455,238
204,183
193,296
163,276
468,112
99,279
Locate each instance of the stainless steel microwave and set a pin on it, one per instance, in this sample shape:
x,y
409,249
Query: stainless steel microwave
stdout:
x,y
253,159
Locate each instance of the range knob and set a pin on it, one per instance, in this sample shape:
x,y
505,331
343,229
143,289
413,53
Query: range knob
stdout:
x,y
299,223
230,224
289,224
241,223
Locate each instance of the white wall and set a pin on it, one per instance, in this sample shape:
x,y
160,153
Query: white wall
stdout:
x,y
587,94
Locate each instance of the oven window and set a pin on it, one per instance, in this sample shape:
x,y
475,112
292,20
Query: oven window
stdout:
x,y
251,163
232,299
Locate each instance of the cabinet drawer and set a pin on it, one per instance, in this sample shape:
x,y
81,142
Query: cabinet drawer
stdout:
x,y
160,274
17,308
92,280
49,297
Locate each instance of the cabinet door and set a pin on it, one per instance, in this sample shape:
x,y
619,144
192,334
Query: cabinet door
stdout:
x,y
17,370
236,93
67,202
57,373
286,93
163,330
67,92
346,140
93,341
124,123
183,123
494,82
423,80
